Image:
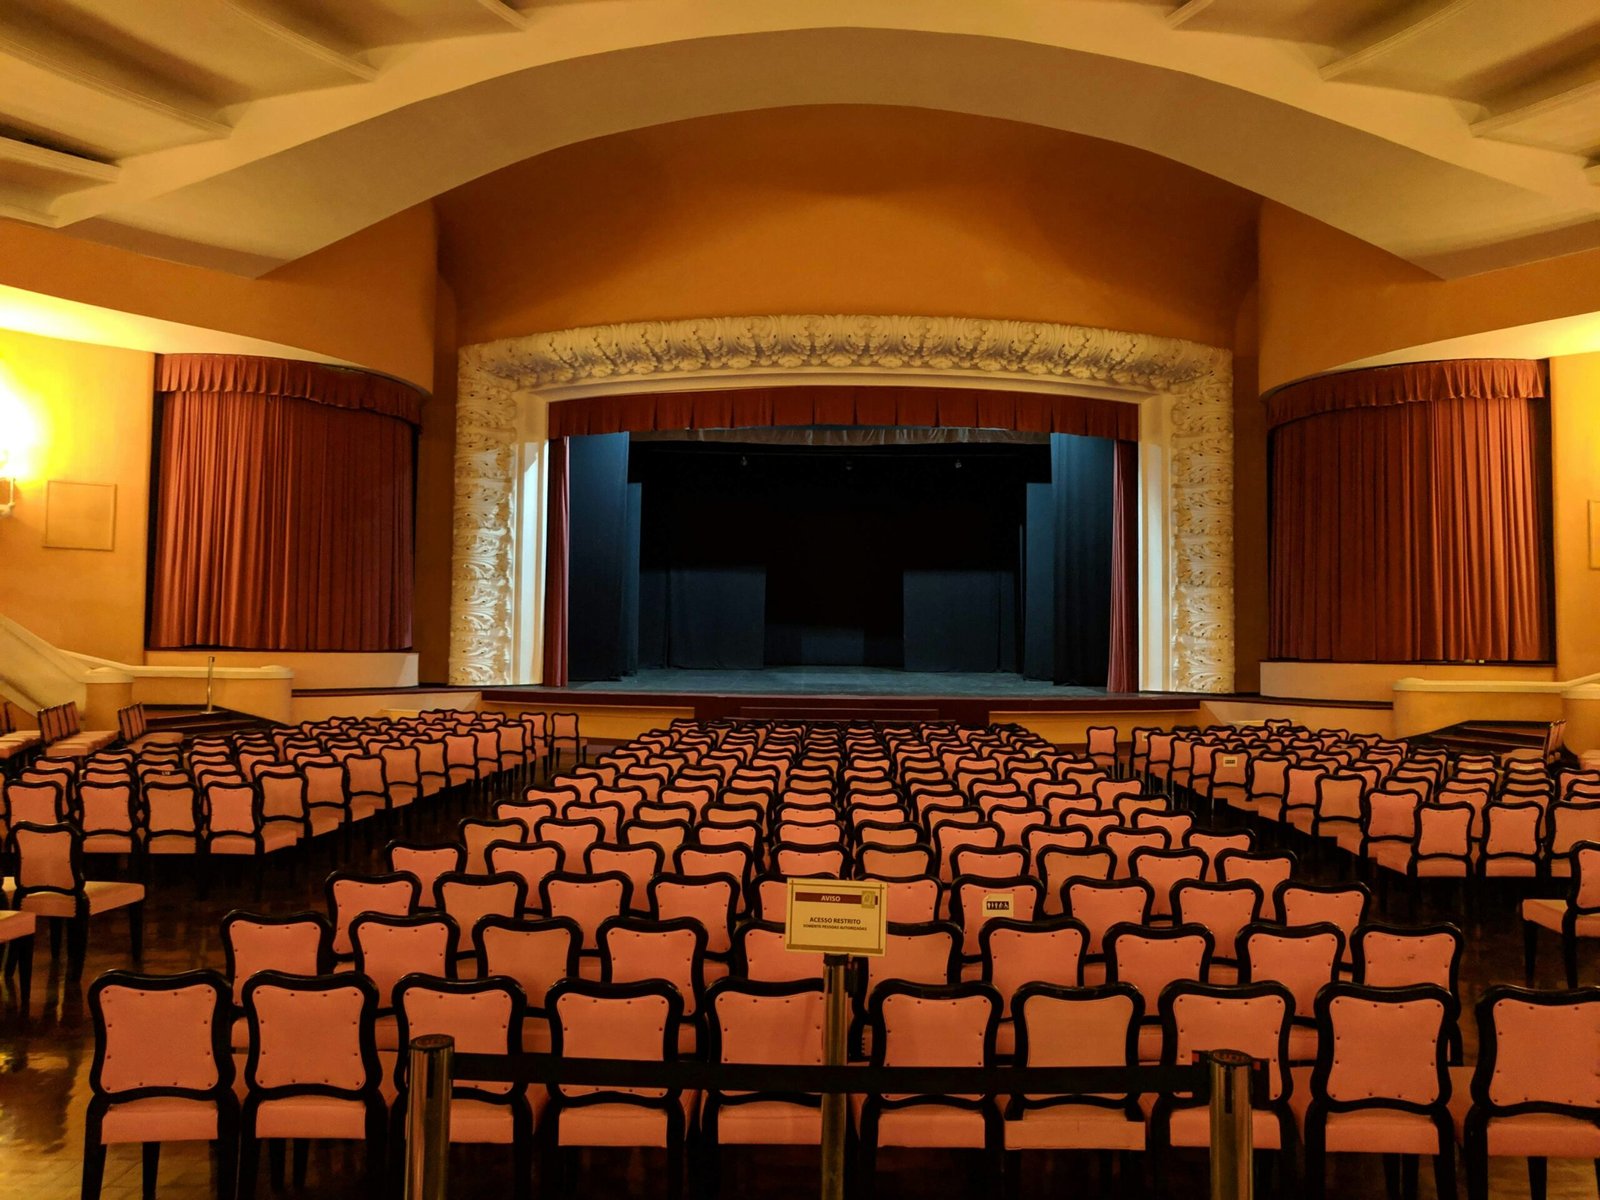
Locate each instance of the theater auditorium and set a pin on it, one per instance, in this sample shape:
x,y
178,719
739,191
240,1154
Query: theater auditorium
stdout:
x,y
848,598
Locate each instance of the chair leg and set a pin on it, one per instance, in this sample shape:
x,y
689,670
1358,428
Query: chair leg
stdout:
x,y
1444,1173
22,961
136,932
152,1167
1536,1178
77,947
1569,958
302,1154
249,1162
1408,1176
94,1165
1530,950
1476,1155
55,938
276,1157
1391,1176
227,1145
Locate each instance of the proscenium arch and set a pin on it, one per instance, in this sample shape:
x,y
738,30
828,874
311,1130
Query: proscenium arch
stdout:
x,y
1183,390
447,114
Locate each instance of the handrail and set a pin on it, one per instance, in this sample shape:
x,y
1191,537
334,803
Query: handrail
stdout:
x,y
1525,687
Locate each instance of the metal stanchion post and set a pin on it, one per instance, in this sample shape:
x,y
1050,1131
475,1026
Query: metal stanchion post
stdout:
x,y
428,1117
833,1103
1232,1152
211,666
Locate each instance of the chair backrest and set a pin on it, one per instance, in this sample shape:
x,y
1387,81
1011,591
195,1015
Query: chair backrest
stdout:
x,y
708,900
574,836
301,944
1252,1018
1526,1057
1266,871
1303,958
697,860
1444,832
925,953
350,895
312,1036
1163,870
528,861
1343,905
1223,908
42,802
1399,956
160,1035
912,899
1150,959
1101,904
470,898
1019,952
484,1016
633,949
49,860
760,956
427,863
930,1025
635,1021
756,1022
477,835
1077,1027
1382,1047
536,952
388,948
587,899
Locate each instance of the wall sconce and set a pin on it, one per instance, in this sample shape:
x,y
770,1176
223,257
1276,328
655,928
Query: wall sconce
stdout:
x,y
8,486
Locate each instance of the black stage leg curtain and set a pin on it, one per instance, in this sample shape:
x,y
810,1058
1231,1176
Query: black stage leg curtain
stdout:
x,y
928,557
557,521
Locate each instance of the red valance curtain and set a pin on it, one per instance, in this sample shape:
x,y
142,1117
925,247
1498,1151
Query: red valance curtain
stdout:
x,y
1413,531
281,524
228,374
747,408
1410,383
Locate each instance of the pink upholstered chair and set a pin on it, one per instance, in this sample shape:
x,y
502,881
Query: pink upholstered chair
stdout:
x,y
634,1021
759,956
1000,862
589,900
1578,916
1343,905
922,1025
751,1022
484,1016
350,895
467,899
950,837
426,862
1381,1083
537,953
1101,904
708,900
476,836
170,817
1164,870
1015,953
1534,1095
917,953
313,1070
667,835
1511,840
1152,958
1266,871
1076,1027
1251,1018
1057,867
1304,959
640,863
108,819
1124,842
1402,956
832,862
912,899
297,944
50,884
1225,910
573,836
636,949
388,948
700,860
162,1072
976,900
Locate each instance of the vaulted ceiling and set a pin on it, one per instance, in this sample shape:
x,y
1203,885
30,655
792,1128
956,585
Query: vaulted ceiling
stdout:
x,y
1460,134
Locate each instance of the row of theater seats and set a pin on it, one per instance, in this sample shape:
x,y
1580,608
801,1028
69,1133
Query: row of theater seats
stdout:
x,y
546,894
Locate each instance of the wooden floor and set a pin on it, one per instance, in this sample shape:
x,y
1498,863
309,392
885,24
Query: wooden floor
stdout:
x,y
44,1071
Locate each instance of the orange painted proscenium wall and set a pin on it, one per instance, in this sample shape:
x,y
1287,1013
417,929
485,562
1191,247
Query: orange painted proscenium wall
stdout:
x,y
855,209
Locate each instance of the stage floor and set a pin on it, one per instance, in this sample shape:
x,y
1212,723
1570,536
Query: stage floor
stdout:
x,y
835,681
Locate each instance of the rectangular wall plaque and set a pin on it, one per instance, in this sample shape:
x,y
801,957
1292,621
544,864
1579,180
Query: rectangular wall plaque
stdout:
x,y
80,516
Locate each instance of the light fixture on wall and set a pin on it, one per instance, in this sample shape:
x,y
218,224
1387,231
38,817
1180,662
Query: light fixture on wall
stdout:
x,y
8,485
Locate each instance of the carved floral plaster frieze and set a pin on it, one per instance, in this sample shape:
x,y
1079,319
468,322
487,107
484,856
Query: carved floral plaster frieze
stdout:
x,y
1026,353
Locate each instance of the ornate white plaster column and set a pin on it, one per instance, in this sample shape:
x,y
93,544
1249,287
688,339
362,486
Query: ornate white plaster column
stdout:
x,y
1193,380
483,562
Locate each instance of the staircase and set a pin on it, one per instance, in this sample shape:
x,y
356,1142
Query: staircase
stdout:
x,y
197,722
1537,740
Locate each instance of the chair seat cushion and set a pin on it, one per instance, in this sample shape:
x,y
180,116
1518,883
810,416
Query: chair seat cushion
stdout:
x,y
14,925
160,1119
312,1117
276,836
1075,1127
1191,1126
617,1124
1544,1135
109,843
324,819
1382,1131
769,1123
363,807
927,1126
102,897
1548,914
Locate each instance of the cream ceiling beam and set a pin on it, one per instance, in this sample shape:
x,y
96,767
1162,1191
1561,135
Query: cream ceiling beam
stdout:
x,y
511,15
1394,33
147,94
57,162
1544,113
1186,12
313,41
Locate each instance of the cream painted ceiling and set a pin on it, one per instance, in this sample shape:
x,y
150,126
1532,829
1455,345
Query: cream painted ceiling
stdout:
x,y
1460,134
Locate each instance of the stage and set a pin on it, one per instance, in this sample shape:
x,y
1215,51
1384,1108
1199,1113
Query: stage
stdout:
x,y
834,681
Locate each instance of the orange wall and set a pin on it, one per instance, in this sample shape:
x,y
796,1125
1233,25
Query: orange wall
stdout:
x,y
1328,299
1249,506
80,414
436,482
367,299
1575,463
848,209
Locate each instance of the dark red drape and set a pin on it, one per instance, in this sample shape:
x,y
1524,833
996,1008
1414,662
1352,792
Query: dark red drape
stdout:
x,y
557,519
1409,383
1122,673
746,408
340,387
281,524
1413,532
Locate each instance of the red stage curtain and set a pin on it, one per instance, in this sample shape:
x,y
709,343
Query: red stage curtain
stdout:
x,y
341,387
1123,664
1413,532
755,407
1409,383
281,524
555,565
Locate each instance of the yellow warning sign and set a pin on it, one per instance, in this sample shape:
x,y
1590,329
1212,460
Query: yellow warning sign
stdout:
x,y
836,916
